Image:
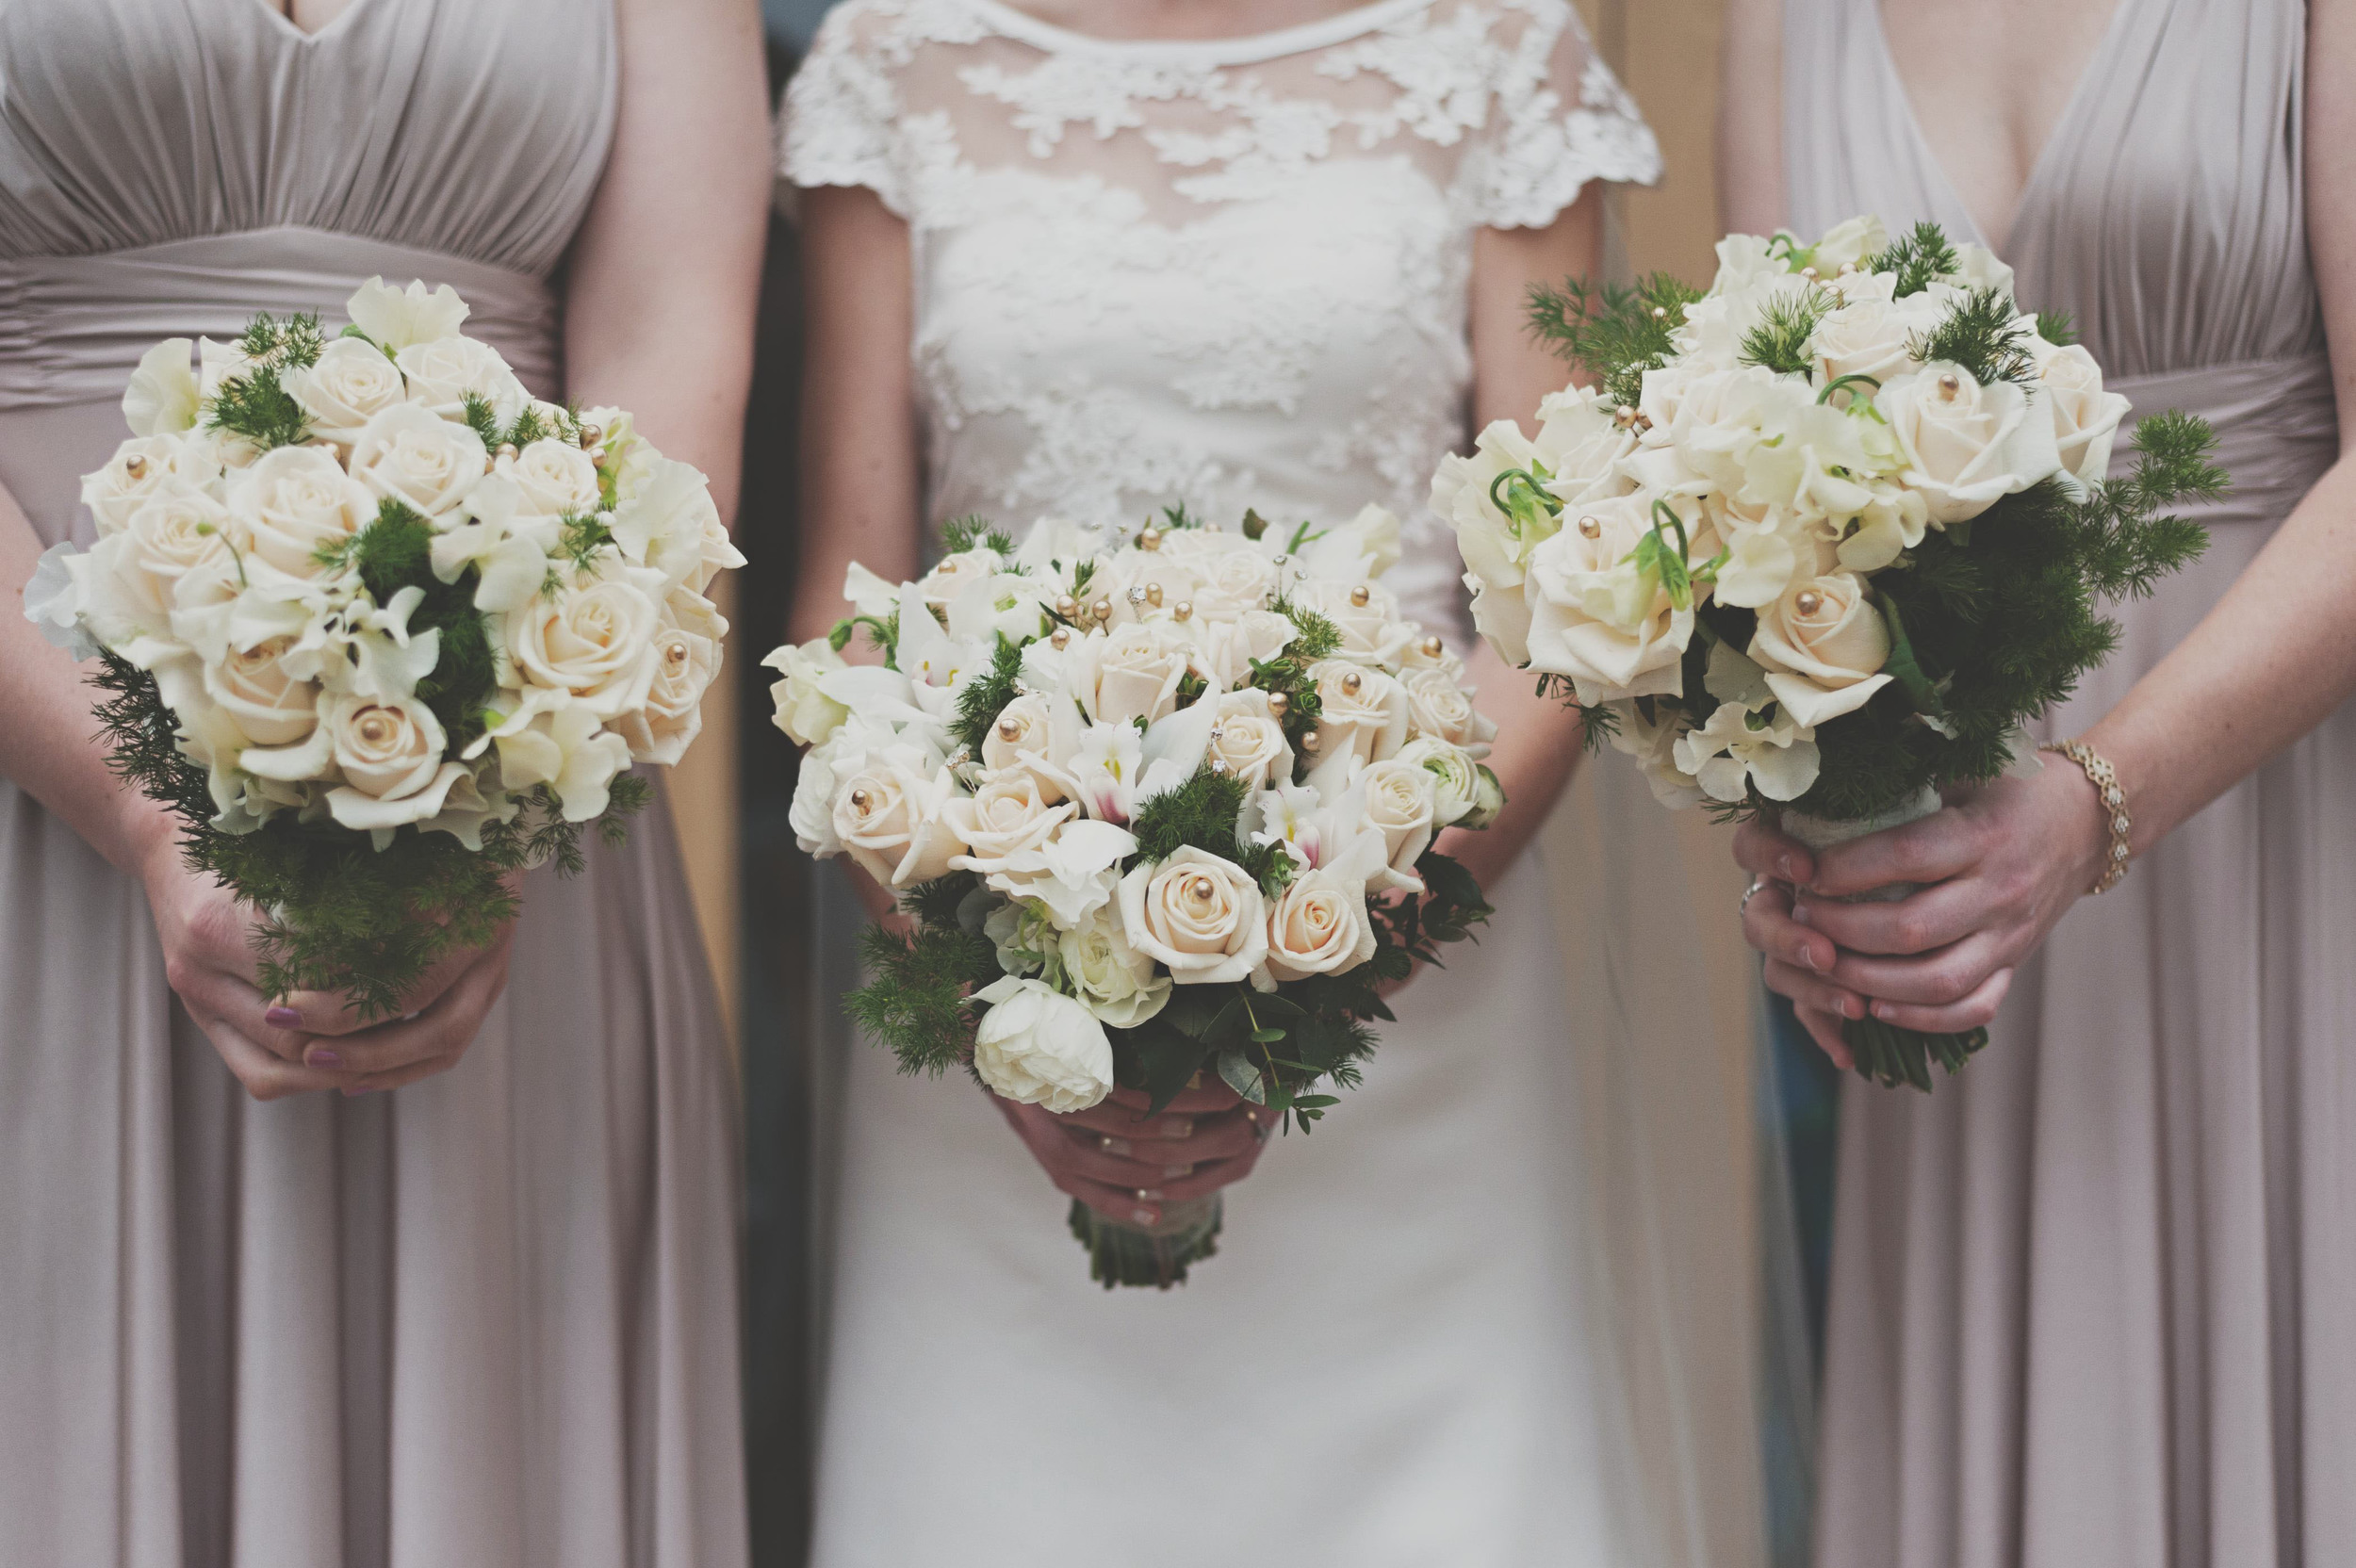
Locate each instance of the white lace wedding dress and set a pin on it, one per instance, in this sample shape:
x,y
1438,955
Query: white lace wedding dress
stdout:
x,y
1230,274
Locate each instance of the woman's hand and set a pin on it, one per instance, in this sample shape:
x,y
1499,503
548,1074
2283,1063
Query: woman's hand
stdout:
x,y
2002,864
311,1041
1126,1165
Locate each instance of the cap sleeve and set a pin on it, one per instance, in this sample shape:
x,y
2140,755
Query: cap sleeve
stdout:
x,y
842,119
1557,118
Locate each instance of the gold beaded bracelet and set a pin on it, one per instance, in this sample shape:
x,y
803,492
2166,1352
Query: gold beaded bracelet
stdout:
x,y
2105,781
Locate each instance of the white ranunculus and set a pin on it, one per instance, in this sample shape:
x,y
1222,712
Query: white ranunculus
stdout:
x,y
1401,800
1006,817
891,814
1966,446
2085,417
594,638
554,479
140,469
444,372
1130,673
1319,925
1111,979
164,398
1721,420
1036,1046
1249,742
1822,644
686,662
291,504
252,687
396,318
1455,777
805,713
1200,915
414,456
350,383
1614,632
1439,707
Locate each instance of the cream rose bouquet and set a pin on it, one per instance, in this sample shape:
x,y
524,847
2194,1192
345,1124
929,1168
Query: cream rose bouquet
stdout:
x,y
382,628
1161,805
1820,541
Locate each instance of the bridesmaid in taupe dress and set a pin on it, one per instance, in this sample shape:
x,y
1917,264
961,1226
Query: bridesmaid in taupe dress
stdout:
x,y
488,1317
2094,1301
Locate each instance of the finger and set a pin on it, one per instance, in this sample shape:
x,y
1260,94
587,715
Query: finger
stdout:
x,y
1200,1098
1938,915
1943,845
383,1082
1937,979
236,1004
332,1012
1214,1139
1116,1204
1085,1159
1973,1012
1813,990
446,1028
1122,1121
1768,926
263,1075
1825,1030
1764,850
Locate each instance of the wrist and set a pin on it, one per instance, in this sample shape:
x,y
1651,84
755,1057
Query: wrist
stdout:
x,y
2096,816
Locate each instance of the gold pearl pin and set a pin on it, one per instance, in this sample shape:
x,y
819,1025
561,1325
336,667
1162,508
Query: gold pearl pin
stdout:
x,y
1360,594
1809,273
1949,384
1433,648
1010,729
1184,610
1153,594
1104,610
1204,887
591,435
1808,602
1352,681
1848,269
135,466
860,799
1311,740
1590,528
1149,540
1068,607
1060,638
1279,704
507,449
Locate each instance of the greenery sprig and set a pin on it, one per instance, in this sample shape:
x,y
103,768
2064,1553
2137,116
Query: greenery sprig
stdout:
x,y
253,402
1614,332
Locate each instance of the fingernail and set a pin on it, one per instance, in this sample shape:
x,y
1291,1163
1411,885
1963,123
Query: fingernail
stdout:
x,y
1852,1007
282,1017
319,1055
1176,1172
1884,1011
1143,1216
1799,913
1783,866
1177,1126
1108,1144
1808,953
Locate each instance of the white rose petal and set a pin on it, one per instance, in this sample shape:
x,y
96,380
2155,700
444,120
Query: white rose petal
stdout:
x,y
1201,916
1037,1047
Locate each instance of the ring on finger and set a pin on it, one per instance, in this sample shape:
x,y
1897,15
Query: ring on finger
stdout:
x,y
1748,893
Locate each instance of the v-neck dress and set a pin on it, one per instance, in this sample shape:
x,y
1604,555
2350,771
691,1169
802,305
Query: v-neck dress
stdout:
x,y
2094,1301
485,1321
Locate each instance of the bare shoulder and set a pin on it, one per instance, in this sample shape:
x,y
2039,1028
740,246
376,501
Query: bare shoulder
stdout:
x,y
1750,116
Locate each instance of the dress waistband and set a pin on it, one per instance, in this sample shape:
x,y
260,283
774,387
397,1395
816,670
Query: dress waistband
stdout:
x,y
2276,429
72,328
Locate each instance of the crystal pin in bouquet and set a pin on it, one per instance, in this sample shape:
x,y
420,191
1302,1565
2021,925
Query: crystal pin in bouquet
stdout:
x,y
1161,806
381,629
1820,541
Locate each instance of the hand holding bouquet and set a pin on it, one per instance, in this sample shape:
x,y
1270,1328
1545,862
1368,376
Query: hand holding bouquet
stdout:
x,y
1820,541
1161,807
380,627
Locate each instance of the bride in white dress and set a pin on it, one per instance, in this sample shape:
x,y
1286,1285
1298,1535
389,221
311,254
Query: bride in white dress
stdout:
x,y
1059,273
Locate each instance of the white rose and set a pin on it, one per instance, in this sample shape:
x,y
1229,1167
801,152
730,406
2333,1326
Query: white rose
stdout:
x,y
1977,267
1200,915
805,713
164,398
1036,1046
891,816
1248,743
1231,584
955,573
594,637
385,749
1437,707
1130,673
293,503
443,373
270,706
1966,446
1365,712
1112,979
1822,645
1614,632
1867,338
174,533
686,662
1495,542
411,455
1745,260
2085,417
1225,650
1318,927
554,479
396,318
1850,243
1003,818
1583,445
1401,802
1365,614
350,383
1455,777
141,468
1488,805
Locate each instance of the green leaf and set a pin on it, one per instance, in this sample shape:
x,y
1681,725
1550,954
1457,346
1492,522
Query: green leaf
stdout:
x,y
1242,1076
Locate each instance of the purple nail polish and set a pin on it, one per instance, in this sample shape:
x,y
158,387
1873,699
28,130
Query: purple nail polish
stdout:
x,y
1799,913
319,1055
282,1017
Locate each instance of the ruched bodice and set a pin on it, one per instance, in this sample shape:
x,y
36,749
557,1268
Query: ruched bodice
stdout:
x,y
475,130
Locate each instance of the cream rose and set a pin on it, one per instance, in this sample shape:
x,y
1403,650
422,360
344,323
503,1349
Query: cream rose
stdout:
x,y
270,706
1318,927
1364,713
1850,243
2085,417
1129,673
1229,584
1867,338
172,535
686,662
1365,613
293,503
953,574
140,468
1439,707
1495,542
1111,979
1006,817
1966,446
555,479
1582,623
350,383
1248,743
592,637
1038,735
385,749
1202,917
411,455
804,712
444,372
1582,446
892,817
1401,798
1036,1046
1822,645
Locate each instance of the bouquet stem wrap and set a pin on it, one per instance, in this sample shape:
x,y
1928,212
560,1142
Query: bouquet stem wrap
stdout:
x,y
1157,1254
1885,1053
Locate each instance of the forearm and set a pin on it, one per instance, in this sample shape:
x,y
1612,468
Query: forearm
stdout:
x,y
2266,665
47,746
1536,748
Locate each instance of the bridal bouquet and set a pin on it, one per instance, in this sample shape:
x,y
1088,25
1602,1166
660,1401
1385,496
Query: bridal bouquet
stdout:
x,y
382,628
1819,540
1160,805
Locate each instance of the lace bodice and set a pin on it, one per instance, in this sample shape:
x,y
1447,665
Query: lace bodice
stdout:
x,y
1226,273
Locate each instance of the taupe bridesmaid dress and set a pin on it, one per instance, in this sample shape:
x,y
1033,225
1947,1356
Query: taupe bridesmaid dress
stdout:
x,y
2094,1302
488,1319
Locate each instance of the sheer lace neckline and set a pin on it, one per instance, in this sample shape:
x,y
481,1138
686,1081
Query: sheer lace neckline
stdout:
x,y
1248,50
